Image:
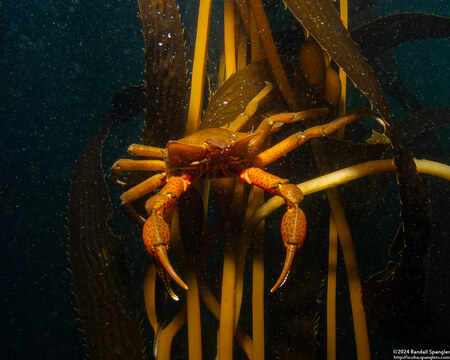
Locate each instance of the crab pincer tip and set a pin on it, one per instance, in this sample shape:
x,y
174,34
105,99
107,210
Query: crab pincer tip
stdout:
x,y
164,261
291,250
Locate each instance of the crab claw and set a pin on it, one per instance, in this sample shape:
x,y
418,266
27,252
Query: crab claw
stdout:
x,y
291,250
156,236
163,260
293,232
165,277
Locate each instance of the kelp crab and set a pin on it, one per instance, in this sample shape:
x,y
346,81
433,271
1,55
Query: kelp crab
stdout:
x,y
218,153
162,64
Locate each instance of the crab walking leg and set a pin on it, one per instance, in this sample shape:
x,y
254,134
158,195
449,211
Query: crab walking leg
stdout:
x,y
276,121
293,224
134,165
250,109
144,188
289,118
156,231
145,150
297,139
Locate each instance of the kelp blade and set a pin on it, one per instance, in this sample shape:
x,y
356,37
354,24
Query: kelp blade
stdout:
x,y
166,74
100,271
322,21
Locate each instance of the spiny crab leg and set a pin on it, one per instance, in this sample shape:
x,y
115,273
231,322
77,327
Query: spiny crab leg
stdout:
x,y
156,231
143,188
134,165
297,139
250,109
293,224
274,122
289,118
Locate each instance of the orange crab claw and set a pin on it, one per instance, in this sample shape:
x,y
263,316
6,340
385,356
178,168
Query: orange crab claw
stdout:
x,y
291,250
156,236
161,255
164,276
293,232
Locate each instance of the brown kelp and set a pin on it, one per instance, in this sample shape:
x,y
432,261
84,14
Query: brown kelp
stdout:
x,y
375,38
413,236
98,264
321,19
390,31
166,73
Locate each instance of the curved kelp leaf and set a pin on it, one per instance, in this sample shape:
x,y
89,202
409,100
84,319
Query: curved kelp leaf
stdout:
x,y
419,128
422,121
101,275
238,90
390,31
395,298
376,38
166,74
322,21
392,83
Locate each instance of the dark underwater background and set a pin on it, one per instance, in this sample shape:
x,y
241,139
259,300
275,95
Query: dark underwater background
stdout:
x,y
60,64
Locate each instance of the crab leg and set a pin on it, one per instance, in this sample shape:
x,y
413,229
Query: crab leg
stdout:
x,y
145,150
134,165
250,109
293,224
276,121
289,118
297,139
143,188
156,232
